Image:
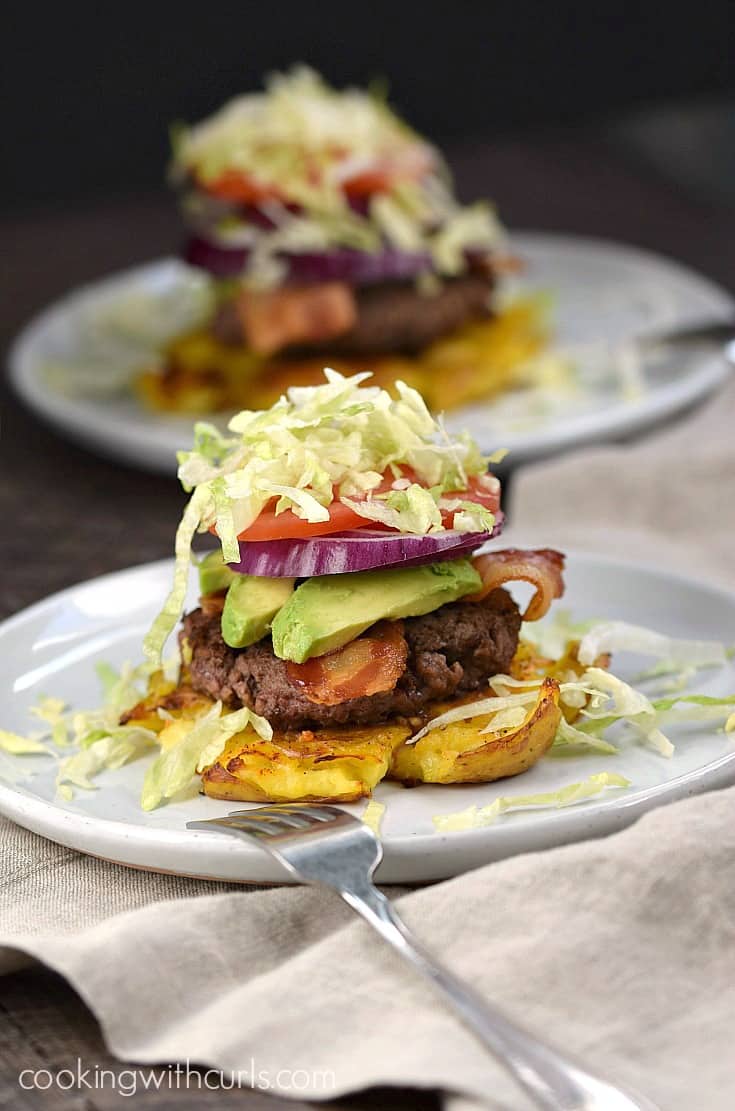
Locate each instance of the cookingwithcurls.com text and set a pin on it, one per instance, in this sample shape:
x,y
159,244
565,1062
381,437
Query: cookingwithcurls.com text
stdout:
x,y
132,1081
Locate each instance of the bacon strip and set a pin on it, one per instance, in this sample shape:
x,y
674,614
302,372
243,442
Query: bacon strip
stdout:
x,y
542,568
213,604
368,665
278,318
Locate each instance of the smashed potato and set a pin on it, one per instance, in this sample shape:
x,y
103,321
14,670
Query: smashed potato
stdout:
x,y
343,764
459,752
171,698
336,765
528,664
479,360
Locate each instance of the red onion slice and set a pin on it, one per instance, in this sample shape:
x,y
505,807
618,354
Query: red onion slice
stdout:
x,y
359,550
342,264
222,262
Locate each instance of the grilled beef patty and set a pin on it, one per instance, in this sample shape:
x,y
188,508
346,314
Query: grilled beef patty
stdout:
x,y
399,319
451,652
392,318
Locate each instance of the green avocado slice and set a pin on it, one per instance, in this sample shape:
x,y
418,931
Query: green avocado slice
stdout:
x,y
214,574
250,606
330,610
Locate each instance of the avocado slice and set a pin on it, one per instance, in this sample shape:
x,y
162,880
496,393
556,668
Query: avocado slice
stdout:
x,y
214,574
250,606
330,610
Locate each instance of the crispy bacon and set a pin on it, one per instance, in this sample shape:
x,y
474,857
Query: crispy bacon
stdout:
x,y
368,665
542,568
213,604
274,319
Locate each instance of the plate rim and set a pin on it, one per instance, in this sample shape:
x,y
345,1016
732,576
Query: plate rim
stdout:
x,y
596,818
73,421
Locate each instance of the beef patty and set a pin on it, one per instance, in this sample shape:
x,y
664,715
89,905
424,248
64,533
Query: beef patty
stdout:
x,y
392,318
451,652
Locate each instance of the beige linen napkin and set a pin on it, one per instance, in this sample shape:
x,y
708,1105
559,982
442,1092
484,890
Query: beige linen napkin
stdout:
x,y
620,950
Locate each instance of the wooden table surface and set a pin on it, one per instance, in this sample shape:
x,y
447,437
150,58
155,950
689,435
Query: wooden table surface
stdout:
x,y
68,516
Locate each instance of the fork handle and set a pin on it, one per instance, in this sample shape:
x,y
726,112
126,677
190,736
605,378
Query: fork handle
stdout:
x,y
553,1081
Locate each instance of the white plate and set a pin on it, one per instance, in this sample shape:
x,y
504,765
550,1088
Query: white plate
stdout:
x,y
603,293
52,647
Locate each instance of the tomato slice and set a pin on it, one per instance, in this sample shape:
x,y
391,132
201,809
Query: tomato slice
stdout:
x,y
287,525
484,490
238,186
408,165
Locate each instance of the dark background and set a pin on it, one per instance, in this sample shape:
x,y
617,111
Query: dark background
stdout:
x,y
91,89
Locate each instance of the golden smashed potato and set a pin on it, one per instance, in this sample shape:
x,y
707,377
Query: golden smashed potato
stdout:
x,y
345,763
338,765
460,753
333,765
176,699
479,360
528,664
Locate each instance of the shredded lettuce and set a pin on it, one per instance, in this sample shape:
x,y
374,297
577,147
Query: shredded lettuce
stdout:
x,y
50,710
102,744
471,517
475,817
21,746
99,740
372,815
412,510
570,740
613,699
314,445
551,636
120,690
475,223
692,708
175,767
119,746
475,709
305,140
603,699
199,505
619,636
225,522
707,700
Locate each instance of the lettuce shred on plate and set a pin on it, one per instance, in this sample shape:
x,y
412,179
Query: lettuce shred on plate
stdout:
x,y
100,744
174,769
372,815
475,817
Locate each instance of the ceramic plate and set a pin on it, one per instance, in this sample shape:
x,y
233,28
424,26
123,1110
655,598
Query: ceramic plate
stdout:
x,y
603,294
52,648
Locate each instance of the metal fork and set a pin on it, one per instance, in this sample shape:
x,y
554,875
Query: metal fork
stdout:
x,y
321,844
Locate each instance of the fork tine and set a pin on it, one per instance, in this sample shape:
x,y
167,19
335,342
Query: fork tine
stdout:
x,y
286,819
249,825
311,812
268,824
292,821
276,819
